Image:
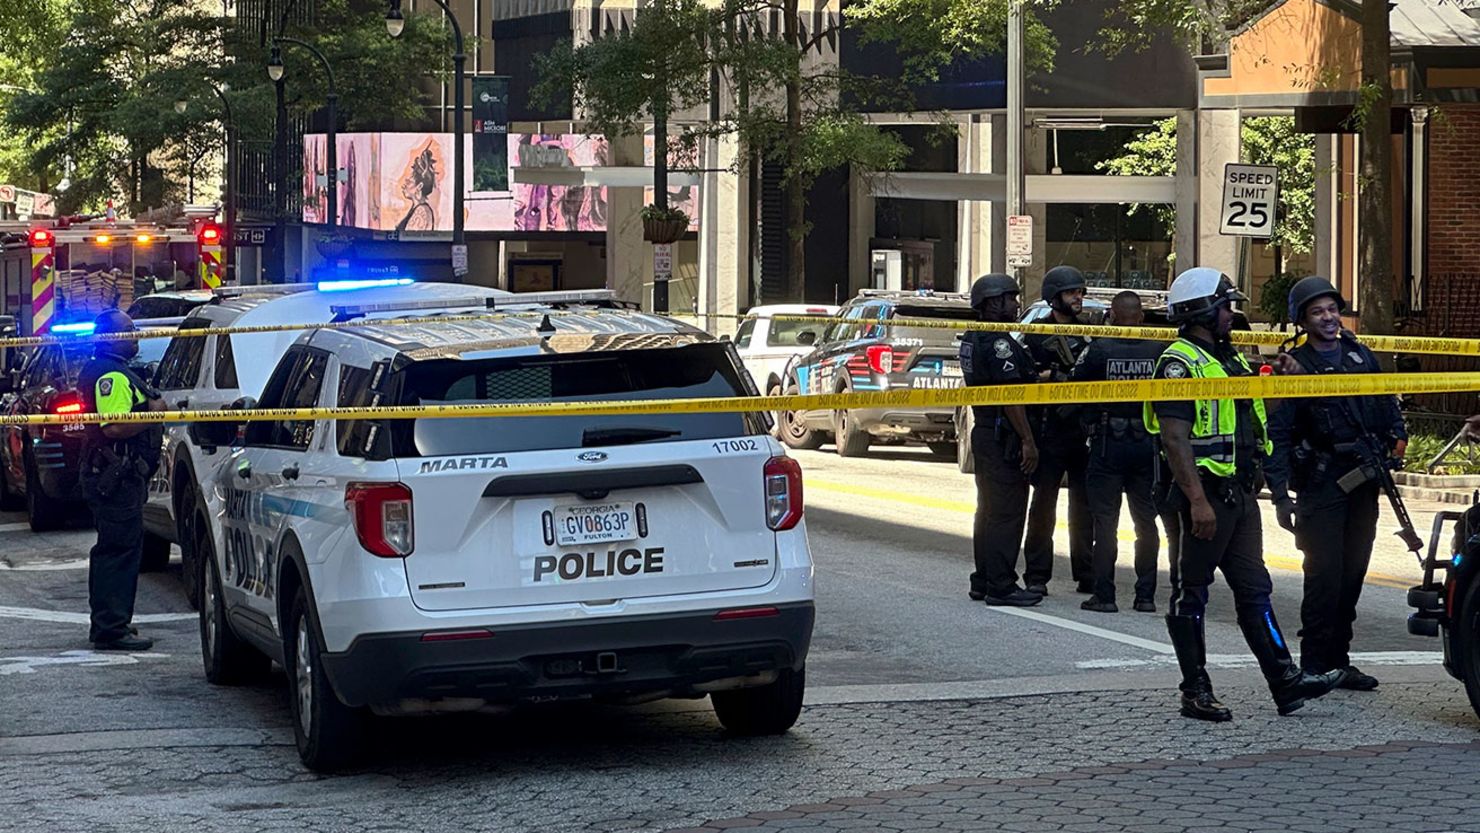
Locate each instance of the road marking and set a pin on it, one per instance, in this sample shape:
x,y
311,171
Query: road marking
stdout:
x,y
1375,658
36,614
1080,627
16,527
1279,562
45,566
89,659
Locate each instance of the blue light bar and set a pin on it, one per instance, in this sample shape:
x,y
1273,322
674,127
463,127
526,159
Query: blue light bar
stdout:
x,y
82,328
346,286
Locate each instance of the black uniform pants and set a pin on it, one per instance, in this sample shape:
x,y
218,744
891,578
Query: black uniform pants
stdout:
x,y
1236,549
1001,512
113,567
1053,464
1122,465
1335,531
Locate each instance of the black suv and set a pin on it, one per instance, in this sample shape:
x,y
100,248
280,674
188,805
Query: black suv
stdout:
x,y
39,463
859,354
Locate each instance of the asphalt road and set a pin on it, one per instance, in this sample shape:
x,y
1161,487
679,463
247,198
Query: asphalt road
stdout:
x,y
910,682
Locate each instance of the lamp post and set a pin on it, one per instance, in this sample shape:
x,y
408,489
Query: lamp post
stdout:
x,y
230,242
395,24
275,71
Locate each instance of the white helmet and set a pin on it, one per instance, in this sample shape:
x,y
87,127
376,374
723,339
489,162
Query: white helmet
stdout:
x,y
1198,291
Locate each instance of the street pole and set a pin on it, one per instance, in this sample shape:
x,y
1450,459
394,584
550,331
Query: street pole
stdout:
x,y
660,165
331,102
230,272
280,190
1015,72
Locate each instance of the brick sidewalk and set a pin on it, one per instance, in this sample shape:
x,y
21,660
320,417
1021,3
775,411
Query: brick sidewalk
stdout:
x,y
1407,786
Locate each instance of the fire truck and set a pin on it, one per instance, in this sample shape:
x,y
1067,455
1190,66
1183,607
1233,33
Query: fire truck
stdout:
x,y
72,268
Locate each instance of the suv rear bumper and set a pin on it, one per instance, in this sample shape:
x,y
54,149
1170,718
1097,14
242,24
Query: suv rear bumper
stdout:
x,y
673,653
907,421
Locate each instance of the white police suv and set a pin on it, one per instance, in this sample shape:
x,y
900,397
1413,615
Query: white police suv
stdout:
x,y
213,372
422,565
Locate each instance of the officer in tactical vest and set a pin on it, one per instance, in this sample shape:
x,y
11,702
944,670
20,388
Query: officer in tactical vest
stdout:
x,y
1320,449
1122,458
1215,449
117,461
1006,451
1062,438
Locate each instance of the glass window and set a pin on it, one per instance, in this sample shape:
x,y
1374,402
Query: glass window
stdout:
x,y
179,368
746,332
225,365
789,333
939,337
41,369
671,373
294,384
353,435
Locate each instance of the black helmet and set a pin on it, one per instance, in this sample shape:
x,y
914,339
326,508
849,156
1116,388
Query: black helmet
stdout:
x,y
1061,279
1308,289
115,321
991,286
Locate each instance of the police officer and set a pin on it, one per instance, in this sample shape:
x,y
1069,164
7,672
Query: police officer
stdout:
x,y
1062,440
1317,443
1215,448
117,461
1006,451
1122,457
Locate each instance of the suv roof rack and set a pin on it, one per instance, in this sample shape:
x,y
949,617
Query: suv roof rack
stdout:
x,y
261,289
595,297
344,312
911,293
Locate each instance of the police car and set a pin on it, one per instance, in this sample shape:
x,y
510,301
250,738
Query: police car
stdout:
x,y
430,565
215,371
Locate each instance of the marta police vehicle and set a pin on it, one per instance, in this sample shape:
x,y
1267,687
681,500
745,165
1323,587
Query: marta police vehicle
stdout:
x,y
859,353
216,371
419,565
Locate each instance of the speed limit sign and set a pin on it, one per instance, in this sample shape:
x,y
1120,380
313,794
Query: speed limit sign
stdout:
x,y
1250,194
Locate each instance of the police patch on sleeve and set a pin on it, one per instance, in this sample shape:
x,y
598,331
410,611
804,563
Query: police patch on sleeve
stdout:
x,y
1002,349
966,362
105,386
1174,369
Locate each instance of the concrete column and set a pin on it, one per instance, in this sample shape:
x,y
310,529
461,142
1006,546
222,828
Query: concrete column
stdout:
x,y
1185,237
1035,161
723,239
629,259
861,215
995,214
1217,145
1326,190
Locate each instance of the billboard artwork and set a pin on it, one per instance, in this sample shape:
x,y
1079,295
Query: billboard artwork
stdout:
x,y
399,182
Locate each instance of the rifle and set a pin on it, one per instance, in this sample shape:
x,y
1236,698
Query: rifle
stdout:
x,y
1375,465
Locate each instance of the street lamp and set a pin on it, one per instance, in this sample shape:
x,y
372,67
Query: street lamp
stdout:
x,y
331,104
395,24
229,244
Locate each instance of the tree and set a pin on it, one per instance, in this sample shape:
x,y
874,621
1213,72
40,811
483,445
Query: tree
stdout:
x,y
1134,22
1267,140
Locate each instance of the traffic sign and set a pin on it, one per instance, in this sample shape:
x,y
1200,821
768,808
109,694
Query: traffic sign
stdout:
x,y
1250,196
459,259
662,261
1020,240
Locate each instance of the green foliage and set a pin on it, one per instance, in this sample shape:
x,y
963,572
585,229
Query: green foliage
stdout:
x,y
113,70
1267,140
653,212
933,33
1464,459
1274,298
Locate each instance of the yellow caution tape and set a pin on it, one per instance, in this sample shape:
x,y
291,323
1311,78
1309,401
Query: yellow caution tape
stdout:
x,y
1061,393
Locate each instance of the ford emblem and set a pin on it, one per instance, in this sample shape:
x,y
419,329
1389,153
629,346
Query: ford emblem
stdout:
x,y
591,456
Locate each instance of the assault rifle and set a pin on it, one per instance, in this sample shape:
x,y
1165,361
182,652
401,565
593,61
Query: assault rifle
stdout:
x,y
1376,466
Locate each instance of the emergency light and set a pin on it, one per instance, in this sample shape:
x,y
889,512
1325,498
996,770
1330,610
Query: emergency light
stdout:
x,y
42,239
79,328
346,286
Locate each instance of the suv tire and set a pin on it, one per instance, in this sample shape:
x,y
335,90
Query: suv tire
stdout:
x,y
156,554
44,512
965,458
227,658
763,710
326,731
794,430
1465,636
851,442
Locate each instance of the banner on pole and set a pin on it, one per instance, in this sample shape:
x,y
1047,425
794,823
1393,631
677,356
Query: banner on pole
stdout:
x,y
490,133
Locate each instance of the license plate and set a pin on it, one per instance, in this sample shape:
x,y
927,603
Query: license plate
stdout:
x,y
595,523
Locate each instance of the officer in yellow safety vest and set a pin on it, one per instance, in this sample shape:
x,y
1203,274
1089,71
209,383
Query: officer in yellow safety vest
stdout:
x,y
1215,449
117,461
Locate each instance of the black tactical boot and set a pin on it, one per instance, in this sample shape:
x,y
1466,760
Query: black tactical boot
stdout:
x,y
1290,686
1198,700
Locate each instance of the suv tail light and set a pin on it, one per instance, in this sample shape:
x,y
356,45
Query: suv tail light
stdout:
x,y
67,403
382,515
783,479
881,358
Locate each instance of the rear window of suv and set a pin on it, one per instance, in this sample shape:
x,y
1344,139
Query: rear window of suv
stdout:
x,y
700,370
934,336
